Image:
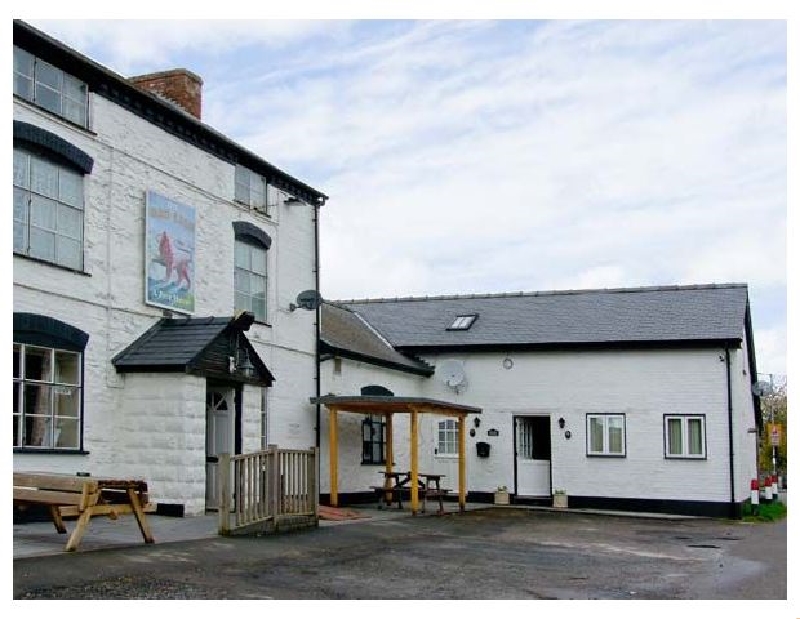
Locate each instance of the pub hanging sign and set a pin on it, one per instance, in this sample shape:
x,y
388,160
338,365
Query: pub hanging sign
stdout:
x,y
169,253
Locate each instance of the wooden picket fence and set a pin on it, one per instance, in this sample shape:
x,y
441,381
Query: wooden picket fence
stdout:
x,y
259,491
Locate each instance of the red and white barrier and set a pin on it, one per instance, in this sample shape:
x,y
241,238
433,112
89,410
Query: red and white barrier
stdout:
x,y
768,488
775,487
754,492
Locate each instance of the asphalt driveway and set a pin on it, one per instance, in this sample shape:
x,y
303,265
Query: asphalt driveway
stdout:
x,y
496,553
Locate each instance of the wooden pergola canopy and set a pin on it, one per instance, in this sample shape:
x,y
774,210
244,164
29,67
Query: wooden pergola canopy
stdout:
x,y
381,405
388,406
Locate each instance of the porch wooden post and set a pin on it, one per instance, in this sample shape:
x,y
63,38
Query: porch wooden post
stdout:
x,y
462,462
389,457
389,448
414,464
224,499
333,454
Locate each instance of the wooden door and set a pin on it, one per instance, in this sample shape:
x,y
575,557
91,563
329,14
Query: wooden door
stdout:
x,y
532,453
219,436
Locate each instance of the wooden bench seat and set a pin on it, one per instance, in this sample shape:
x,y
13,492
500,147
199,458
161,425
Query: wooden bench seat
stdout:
x,y
84,498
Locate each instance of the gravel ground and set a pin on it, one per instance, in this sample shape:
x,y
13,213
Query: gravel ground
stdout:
x,y
486,554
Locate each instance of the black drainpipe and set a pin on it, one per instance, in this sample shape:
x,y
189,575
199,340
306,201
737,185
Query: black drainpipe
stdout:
x,y
317,319
730,428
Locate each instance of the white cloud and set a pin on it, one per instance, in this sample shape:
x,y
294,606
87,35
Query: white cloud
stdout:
x,y
483,156
128,46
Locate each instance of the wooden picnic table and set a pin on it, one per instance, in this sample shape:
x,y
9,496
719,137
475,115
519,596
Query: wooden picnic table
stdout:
x,y
84,497
396,483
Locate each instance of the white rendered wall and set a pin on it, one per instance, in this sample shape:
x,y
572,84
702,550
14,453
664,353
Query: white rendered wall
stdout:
x,y
642,385
745,446
354,476
131,156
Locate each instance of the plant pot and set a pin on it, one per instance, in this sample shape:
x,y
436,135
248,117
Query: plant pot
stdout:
x,y
501,497
560,501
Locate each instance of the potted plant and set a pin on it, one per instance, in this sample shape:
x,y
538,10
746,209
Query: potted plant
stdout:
x,y
501,496
560,499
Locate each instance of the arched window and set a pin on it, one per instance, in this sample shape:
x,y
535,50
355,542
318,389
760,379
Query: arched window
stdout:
x,y
48,384
48,196
250,269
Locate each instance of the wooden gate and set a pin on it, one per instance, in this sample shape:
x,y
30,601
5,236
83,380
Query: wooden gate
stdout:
x,y
270,488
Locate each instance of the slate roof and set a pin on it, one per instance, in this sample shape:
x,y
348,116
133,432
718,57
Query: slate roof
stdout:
x,y
707,314
171,342
185,344
343,332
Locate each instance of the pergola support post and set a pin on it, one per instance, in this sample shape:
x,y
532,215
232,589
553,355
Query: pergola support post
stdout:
x,y
414,463
389,454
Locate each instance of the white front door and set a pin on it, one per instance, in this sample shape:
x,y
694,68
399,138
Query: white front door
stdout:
x,y
532,453
219,436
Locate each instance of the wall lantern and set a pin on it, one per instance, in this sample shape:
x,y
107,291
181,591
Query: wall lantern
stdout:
x,y
246,366
477,422
568,435
561,422
508,363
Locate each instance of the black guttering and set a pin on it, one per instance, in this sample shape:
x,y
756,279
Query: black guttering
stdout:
x,y
751,362
572,346
392,365
317,317
116,88
55,145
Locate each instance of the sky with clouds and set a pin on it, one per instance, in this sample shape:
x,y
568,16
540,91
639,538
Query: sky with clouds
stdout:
x,y
493,156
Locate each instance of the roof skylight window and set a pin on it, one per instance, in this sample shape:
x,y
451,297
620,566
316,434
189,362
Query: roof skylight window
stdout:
x,y
462,323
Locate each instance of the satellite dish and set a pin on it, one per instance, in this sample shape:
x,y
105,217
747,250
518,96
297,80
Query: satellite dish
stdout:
x,y
451,373
308,300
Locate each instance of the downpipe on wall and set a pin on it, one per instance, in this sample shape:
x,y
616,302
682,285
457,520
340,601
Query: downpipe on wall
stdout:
x,y
730,430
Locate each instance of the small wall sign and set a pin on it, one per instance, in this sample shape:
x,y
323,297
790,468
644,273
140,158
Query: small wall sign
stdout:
x,y
493,432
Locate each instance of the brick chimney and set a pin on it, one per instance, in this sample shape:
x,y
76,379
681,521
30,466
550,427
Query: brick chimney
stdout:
x,y
180,86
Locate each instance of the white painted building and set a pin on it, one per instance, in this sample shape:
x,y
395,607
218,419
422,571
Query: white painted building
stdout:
x,y
634,399
141,236
134,225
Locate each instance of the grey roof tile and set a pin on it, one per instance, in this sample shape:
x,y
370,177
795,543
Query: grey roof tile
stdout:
x,y
343,330
667,313
171,342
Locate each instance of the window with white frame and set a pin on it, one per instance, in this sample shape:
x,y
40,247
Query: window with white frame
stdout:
x,y
447,438
605,435
48,209
48,87
685,436
251,189
47,397
250,278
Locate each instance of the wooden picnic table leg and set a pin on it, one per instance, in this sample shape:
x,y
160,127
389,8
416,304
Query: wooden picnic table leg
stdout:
x,y
439,493
80,529
57,521
141,519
